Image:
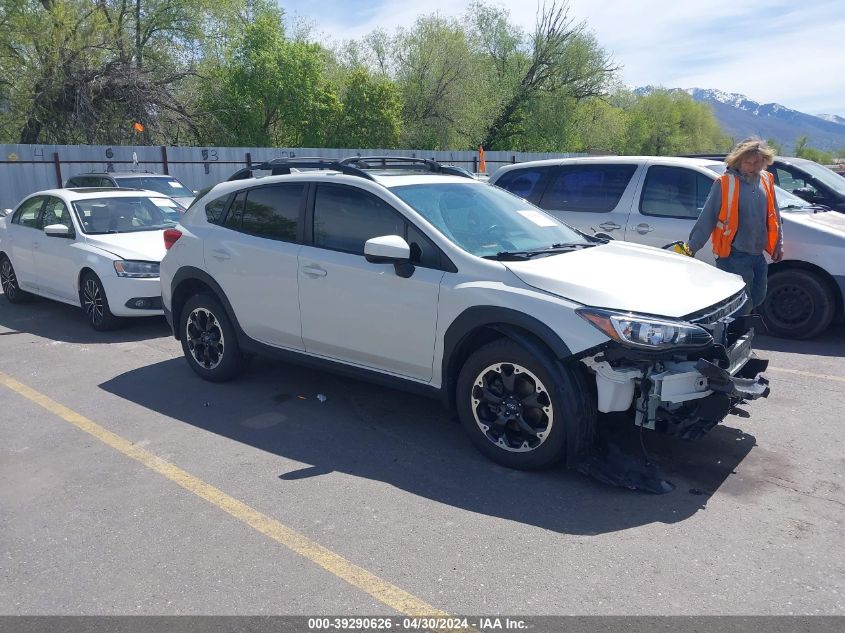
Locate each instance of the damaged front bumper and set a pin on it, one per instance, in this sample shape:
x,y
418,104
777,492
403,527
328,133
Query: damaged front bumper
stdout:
x,y
684,394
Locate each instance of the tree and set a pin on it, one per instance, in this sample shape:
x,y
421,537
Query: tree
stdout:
x,y
560,58
802,150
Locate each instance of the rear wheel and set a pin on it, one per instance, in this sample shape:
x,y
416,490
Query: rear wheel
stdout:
x,y
9,282
209,340
516,408
798,304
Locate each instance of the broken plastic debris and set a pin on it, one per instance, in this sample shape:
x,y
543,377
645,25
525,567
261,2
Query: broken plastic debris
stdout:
x,y
321,397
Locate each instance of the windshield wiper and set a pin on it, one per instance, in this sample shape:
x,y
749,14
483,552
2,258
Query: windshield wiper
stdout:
x,y
548,250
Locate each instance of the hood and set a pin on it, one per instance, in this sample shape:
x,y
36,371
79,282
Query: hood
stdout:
x,y
145,246
829,221
630,277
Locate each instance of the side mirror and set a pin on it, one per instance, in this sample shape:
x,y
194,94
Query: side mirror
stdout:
x,y
390,249
57,230
8,211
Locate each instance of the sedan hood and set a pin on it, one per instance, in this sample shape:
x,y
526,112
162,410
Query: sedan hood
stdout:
x,y
828,221
145,246
630,278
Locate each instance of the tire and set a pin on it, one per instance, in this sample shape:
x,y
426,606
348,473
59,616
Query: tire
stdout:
x,y
209,340
9,282
498,429
798,304
95,303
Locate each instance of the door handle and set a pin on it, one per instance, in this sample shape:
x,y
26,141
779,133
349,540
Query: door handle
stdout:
x,y
643,228
314,271
609,226
220,255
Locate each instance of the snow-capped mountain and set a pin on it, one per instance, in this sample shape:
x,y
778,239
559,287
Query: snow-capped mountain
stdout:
x,y
742,117
833,118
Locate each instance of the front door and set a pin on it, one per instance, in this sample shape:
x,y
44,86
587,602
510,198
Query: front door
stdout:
x,y
669,202
359,312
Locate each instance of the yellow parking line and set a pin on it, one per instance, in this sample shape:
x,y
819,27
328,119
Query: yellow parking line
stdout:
x,y
381,590
808,374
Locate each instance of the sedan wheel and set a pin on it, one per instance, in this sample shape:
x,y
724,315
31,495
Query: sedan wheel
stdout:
x,y
9,282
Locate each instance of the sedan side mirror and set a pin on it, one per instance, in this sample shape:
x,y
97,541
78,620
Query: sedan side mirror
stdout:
x,y
58,230
390,249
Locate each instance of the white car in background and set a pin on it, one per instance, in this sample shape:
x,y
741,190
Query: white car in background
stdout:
x,y
655,200
99,249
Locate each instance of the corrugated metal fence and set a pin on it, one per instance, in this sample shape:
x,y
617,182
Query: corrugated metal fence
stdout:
x,y
25,169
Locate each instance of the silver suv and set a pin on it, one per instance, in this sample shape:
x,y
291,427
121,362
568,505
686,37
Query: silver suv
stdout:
x,y
405,273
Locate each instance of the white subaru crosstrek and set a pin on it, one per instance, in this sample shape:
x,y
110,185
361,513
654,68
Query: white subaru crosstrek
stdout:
x,y
448,286
95,248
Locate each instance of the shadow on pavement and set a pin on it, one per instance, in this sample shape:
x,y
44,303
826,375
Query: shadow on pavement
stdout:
x,y
829,343
411,443
62,322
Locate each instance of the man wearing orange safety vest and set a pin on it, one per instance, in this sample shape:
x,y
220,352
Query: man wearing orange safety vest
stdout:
x,y
742,220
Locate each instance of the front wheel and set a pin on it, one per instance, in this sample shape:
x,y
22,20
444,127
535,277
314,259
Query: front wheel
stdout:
x,y
516,408
9,282
798,304
209,341
95,304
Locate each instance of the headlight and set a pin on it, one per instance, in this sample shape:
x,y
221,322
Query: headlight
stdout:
x,y
646,332
136,269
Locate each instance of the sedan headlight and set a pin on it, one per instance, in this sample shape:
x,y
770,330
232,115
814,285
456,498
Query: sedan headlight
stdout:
x,y
646,332
145,270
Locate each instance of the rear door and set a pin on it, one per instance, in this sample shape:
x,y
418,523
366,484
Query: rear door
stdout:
x,y
667,205
592,197
24,234
253,256
59,258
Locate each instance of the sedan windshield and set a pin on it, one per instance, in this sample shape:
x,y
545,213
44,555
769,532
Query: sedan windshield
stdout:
x,y
485,220
166,185
98,216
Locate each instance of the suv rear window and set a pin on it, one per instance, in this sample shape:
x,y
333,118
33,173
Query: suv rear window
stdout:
x,y
592,188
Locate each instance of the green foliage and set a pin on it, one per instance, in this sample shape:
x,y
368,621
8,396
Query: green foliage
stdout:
x,y
226,72
802,150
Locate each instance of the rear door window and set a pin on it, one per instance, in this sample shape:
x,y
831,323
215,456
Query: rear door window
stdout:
x,y
272,212
27,213
588,187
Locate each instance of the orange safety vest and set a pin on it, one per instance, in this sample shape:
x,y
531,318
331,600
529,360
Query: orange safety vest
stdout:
x,y
726,227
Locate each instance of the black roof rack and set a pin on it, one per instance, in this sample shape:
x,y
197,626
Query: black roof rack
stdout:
x,y
283,166
404,163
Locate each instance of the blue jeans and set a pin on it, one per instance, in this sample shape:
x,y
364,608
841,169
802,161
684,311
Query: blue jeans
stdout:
x,y
753,269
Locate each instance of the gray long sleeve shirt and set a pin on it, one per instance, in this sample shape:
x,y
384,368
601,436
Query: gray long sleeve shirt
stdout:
x,y
752,233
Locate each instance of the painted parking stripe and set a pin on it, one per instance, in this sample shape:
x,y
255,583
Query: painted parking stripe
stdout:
x,y
335,564
809,374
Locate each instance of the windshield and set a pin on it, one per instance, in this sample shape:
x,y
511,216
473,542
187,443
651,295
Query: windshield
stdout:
x,y
98,216
485,220
824,175
162,184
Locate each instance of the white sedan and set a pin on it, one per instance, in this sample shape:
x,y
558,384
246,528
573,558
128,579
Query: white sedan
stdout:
x,y
99,249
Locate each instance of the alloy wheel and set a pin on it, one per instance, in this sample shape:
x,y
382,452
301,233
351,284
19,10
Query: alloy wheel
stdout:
x,y
93,301
512,407
205,339
8,280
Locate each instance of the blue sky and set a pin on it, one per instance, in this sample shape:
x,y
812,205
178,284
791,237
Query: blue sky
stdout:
x,y
792,53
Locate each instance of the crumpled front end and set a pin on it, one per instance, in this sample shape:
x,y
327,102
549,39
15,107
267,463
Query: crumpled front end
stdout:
x,y
684,393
